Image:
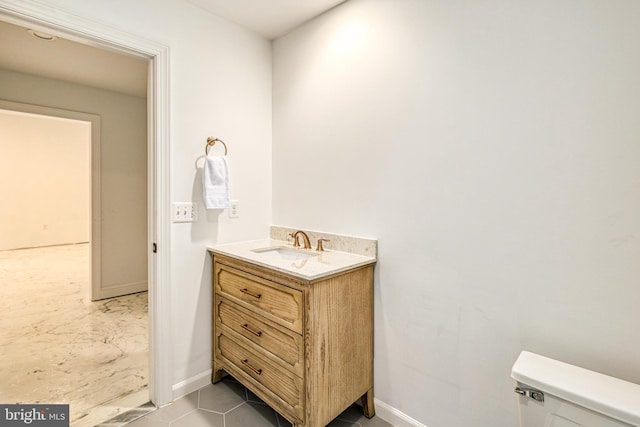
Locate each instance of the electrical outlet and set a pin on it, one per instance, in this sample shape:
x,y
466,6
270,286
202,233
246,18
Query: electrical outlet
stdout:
x,y
234,209
184,212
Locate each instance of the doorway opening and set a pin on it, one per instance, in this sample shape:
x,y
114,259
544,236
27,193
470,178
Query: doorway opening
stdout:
x,y
89,32
58,345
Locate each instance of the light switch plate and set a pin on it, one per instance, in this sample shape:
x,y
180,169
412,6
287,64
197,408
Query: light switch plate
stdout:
x,y
184,212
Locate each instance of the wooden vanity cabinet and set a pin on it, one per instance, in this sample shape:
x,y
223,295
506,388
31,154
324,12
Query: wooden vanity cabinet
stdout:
x,y
304,347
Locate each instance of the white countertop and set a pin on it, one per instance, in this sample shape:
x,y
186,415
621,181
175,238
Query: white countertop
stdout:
x,y
320,265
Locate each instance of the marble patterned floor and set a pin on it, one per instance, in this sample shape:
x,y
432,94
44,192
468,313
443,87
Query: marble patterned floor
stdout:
x,y
56,346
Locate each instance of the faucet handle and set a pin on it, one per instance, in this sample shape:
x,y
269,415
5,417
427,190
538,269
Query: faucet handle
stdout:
x,y
320,248
296,242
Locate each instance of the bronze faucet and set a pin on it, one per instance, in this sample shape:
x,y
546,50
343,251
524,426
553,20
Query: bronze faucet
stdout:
x,y
305,239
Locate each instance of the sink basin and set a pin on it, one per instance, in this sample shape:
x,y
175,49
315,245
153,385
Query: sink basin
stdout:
x,y
284,253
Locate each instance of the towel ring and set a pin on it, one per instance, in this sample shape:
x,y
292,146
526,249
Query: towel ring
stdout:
x,y
211,141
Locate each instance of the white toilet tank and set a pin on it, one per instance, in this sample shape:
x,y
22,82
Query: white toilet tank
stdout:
x,y
556,394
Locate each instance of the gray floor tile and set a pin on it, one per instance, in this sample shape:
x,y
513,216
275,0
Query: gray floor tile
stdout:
x,y
251,397
177,409
343,423
200,418
352,413
229,404
148,421
222,397
282,422
374,422
228,377
251,414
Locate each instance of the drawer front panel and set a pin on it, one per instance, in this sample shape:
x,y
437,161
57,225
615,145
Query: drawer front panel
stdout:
x,y
280,382
277,340
278,303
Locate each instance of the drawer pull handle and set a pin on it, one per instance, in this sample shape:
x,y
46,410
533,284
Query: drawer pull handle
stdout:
x,y
256,371
251,294
247,328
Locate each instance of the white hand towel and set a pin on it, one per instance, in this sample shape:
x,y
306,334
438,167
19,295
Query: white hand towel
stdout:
x,y
215,182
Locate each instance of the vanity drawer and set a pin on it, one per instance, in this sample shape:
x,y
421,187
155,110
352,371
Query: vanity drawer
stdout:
x,y
279,341
276,302
281,384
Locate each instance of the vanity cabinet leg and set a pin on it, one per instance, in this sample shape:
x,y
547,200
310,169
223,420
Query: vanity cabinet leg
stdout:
x,y
367,404
216,375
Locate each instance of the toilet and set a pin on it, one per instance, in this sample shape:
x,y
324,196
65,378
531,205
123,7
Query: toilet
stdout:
x,y
555,394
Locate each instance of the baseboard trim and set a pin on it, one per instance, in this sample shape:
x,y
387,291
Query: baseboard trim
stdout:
x,y
191,384
395,416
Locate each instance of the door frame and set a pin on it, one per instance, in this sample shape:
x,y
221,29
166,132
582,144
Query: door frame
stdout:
x,y
53,20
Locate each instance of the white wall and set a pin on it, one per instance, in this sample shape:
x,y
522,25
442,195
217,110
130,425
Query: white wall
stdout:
x,y
45,180
492,148
123,167
220,81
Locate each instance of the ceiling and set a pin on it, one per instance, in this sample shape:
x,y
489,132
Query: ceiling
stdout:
x,y
269,18
70,61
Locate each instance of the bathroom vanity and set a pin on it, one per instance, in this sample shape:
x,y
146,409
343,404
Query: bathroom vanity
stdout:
x,y
295,327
